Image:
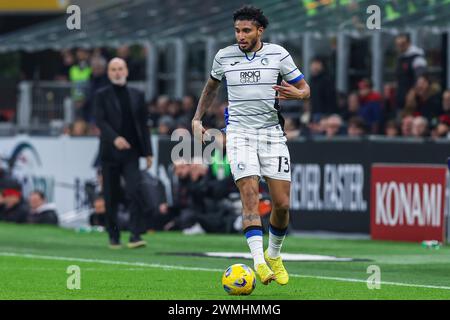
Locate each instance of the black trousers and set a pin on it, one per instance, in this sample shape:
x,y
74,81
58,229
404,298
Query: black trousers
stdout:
x,y
126,166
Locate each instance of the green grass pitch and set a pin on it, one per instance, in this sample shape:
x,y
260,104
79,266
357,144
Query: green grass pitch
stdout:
x,y
34,262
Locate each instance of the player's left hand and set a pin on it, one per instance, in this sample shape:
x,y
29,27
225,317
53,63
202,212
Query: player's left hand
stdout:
x,y
287,91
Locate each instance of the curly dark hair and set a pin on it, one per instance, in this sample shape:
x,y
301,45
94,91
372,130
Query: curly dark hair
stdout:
x,y
251,13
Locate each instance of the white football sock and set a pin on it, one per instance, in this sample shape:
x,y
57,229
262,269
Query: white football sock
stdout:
x,y
255,244
275,243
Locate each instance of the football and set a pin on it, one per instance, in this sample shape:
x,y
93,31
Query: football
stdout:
x,y
239,279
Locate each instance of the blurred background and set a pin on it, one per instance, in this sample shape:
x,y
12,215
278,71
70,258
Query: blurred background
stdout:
x,y
378,96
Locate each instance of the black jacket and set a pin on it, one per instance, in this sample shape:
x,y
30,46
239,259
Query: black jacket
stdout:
x,y
109,121
17,213
46,214
323,95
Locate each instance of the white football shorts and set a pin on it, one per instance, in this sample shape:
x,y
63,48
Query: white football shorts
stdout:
x,y
258,152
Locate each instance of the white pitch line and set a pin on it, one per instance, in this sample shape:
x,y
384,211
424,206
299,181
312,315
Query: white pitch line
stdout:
x,y
174,267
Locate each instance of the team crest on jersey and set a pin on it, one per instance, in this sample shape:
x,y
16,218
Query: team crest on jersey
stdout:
x,y
264,61
241,166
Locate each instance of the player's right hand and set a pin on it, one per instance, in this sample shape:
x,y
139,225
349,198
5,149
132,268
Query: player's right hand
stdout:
x,y
121,143
198,130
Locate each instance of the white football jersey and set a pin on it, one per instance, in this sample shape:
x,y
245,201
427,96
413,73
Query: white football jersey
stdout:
x,y
250,77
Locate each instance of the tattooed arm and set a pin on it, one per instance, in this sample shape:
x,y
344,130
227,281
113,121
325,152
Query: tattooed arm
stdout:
x,y
209,93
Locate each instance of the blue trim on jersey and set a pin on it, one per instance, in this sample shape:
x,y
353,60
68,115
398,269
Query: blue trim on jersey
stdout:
x,y
289,72
300,77
254,55
226,116
253,233
276,231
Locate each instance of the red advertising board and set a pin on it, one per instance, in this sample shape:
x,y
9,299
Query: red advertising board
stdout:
x,y
407,202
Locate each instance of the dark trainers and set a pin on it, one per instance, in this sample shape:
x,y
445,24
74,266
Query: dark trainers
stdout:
x,y
136,242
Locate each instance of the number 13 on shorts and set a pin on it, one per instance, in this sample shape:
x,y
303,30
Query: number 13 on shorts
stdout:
x,y
276,162
283,164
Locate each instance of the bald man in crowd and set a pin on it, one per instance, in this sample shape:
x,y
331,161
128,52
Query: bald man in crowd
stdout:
x,y
121,116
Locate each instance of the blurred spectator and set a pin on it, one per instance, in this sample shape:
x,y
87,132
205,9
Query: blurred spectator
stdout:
x,y
317,127
219,115
188,105
157,109
101,53
186,191
166,125
305,116
342,102
180,192
173,109
214,189
14,208
210,118
442,129
154,203
162,104
370,105
80,73
419,127
333,126
41,212
4,174
136,64
356,127
424,99
407,124
389,104
67,62
98,80
411,64
203,196
79,128
323,95
446,102
98,216
391,129
291,129
352,107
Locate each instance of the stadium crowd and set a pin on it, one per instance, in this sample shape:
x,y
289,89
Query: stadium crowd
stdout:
x,y
414,105
15,208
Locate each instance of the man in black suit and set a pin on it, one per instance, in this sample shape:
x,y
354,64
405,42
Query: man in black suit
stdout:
x,y
121,116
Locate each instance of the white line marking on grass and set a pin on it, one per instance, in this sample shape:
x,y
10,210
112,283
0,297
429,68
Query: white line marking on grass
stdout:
x,y
174,267
111,262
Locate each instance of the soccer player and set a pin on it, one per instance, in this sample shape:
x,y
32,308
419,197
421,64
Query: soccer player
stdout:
x,y
258,75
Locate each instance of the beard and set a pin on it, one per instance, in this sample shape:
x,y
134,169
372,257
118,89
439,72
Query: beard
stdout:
x,y
119,82
251,46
